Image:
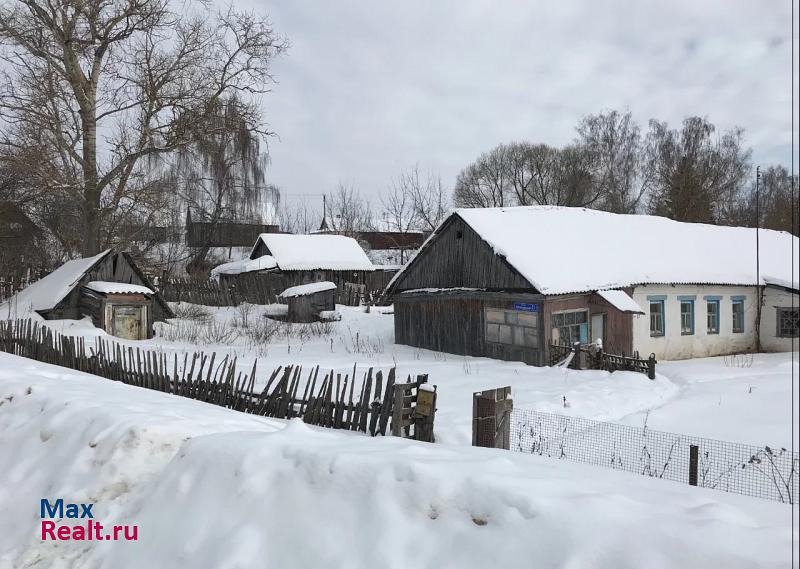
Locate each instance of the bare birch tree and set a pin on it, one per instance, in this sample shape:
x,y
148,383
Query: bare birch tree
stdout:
x,y
113,82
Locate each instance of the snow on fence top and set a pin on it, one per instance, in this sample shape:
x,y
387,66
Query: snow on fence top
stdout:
x,y
311,252
47,292
117,288
561,250
306,289
262,263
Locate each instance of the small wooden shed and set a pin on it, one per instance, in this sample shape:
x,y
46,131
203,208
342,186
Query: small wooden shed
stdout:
x,y
122,310
109,288
306,302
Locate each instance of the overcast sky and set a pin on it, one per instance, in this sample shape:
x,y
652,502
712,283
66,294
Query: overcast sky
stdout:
x,y
370,87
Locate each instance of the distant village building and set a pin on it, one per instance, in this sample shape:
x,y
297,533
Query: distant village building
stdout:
x,y
281,261
19,240
384,244
109,288
507,283
224,233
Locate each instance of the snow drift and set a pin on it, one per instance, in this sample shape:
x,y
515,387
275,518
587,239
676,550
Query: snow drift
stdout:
x,y
211,488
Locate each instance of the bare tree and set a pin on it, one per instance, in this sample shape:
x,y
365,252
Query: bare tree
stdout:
x,y
397,204
778,204
299,216
695,177
614,145
484,183
348,212
528,174
139,74
415,201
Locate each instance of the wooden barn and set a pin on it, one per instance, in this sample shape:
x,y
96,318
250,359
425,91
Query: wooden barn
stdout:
x,y
109,288
509,283
284,260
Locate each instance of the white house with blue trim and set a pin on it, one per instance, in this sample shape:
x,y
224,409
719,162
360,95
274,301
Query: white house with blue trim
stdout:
x,y
511,283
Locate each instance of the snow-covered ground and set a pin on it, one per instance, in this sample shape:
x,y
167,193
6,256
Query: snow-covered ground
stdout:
x,y
742,399
212,488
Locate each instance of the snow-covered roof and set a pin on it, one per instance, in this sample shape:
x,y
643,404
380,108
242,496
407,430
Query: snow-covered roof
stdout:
x,y
47,292
306,289
311,252
561,250
621,301
262,263
117,288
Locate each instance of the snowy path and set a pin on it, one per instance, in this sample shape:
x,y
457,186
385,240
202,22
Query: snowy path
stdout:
x,y
211,488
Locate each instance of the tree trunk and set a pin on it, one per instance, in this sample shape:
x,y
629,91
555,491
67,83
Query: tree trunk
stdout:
x,y
91,193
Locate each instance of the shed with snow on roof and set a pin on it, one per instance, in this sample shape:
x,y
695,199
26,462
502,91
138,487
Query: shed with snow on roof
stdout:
x,y
306,302
109,288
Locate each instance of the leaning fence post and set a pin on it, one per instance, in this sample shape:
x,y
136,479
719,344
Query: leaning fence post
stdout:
x,y
491,418
651,366
694,455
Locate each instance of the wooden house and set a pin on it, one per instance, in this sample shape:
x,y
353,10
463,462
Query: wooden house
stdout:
x,y
109,288
20,240
285,260
307,302
508,283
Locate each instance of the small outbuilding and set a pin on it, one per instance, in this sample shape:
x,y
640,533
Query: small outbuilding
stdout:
x,y
307,302
280,260
109,288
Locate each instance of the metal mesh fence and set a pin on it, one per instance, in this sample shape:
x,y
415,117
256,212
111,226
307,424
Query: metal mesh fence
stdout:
x,y
762,472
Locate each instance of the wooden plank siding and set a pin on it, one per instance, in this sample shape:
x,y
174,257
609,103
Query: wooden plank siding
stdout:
x,y
619,325
455,324
114,267
453,321
458,257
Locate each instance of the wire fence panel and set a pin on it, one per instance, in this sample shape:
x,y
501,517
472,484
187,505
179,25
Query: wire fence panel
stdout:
x,y
761,472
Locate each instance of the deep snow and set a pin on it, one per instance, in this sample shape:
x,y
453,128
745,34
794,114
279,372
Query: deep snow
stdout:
x,y
711,397
212,488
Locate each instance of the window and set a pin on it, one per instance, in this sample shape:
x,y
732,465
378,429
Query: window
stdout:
x,y
687,317
571,327
737,308
512,327
712,316
656,317
788,322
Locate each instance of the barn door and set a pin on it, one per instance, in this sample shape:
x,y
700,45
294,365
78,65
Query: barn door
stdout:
x,y
127,322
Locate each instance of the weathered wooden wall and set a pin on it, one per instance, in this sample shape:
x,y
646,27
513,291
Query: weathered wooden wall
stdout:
x,y
455,324
114,267
619,325
225,233
306,308
458,257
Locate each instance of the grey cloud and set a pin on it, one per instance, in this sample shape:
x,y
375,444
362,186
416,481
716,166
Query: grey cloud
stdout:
x,y
371,87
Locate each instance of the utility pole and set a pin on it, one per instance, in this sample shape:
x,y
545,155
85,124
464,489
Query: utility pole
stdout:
x,y
758,266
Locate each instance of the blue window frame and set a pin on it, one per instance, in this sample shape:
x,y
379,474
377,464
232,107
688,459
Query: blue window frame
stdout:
x,y
712,314
687,315
737,313
657,319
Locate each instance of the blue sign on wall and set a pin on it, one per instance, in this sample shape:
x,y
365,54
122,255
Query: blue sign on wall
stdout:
x,y
526,306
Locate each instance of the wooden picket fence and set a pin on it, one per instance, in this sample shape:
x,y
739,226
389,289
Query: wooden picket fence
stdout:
x,y
589,357
332,400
